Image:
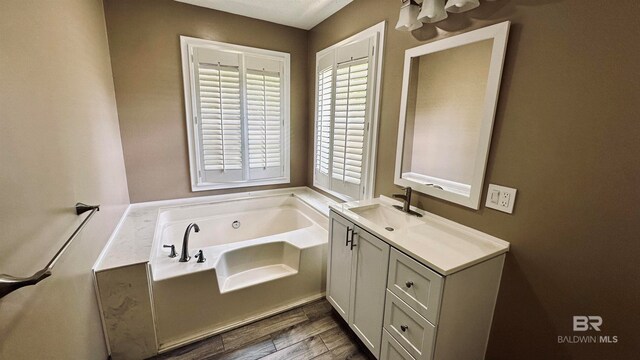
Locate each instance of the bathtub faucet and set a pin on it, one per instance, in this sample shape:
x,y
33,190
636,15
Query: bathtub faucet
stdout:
x,y
184,255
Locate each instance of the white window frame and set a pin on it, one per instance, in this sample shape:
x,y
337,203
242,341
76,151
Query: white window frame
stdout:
x,y
371,136
187,44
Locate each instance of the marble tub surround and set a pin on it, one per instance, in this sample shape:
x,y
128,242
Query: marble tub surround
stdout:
x,y
125,289
441,244
127,245
127,312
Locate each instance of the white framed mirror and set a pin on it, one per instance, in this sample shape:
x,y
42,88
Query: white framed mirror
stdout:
x,y
449,95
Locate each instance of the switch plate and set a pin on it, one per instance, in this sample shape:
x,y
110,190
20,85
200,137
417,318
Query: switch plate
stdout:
x,y
501,198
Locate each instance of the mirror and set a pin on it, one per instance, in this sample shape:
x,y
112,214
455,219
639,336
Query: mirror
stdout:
x,y
449,95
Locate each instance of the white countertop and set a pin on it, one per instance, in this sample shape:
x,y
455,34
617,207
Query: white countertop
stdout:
x,y
131,241
443,245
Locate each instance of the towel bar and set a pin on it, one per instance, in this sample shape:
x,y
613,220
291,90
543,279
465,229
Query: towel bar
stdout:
x,y
9,283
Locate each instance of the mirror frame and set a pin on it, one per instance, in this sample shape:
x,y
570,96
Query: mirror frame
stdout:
x,y
499,33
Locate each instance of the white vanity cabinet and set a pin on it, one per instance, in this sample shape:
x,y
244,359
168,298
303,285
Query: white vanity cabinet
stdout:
x,y
357,273
438,305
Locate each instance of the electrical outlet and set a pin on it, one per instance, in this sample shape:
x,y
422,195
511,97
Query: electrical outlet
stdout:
x,y
504,199
501,198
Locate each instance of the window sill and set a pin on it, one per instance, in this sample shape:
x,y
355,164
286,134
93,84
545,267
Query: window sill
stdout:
x,y
335,194
234,185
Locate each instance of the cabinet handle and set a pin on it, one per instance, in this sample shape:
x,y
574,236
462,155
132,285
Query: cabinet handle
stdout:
x,y
408,284
347,237
353,233
404,328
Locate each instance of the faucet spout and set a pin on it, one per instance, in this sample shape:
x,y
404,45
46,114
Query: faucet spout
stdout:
x,y
406,205
184,254
406,199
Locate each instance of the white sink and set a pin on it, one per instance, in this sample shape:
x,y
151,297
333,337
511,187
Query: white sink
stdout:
x,y
386,216
441,244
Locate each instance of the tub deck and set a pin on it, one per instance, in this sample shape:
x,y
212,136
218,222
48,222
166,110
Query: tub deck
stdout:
x,y
131,241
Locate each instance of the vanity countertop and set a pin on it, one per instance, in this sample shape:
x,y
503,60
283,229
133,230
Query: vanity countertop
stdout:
x,y
439,243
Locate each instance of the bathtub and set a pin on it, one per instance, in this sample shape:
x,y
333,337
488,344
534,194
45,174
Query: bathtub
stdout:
x,y
263,256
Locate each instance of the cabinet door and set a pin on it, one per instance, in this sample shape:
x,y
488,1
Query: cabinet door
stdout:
x,y
368,284
339,265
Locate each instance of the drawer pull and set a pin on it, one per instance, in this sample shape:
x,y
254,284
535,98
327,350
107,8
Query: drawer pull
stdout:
x,y
404,328
408,284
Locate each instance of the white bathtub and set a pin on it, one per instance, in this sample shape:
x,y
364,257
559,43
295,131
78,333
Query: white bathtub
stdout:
x,y
274,260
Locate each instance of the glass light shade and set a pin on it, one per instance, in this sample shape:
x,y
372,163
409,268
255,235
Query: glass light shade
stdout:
x,y
408,19
458,6
432,11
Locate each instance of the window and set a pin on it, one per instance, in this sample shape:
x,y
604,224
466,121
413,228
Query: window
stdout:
x,y
237,102
347,97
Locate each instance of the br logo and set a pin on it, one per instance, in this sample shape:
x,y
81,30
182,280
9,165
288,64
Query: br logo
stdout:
x,y
584,323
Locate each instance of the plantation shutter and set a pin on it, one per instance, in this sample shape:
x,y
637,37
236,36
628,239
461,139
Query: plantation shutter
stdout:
x,y
265,117
218,115
350,117
324,110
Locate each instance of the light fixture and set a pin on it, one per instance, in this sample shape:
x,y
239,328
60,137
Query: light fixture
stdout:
x,y
415,12
458,6
432,11
408,19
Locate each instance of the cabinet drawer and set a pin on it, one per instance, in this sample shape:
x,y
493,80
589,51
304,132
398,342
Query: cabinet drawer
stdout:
x,y
411,330
415,284
392,350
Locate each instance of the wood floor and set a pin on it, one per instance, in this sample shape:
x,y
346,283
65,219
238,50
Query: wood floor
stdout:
x,y
313,331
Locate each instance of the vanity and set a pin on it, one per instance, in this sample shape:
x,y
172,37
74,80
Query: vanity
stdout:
x,y
412,288
410,284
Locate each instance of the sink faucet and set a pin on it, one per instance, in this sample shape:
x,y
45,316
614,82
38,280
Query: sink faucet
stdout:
x,y
184,254
406,206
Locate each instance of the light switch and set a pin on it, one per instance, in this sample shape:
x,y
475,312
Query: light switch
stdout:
x,y
501,198
494,196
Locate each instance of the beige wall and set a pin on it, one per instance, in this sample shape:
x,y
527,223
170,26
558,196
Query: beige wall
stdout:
x,y
566,136
145,53
59,144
